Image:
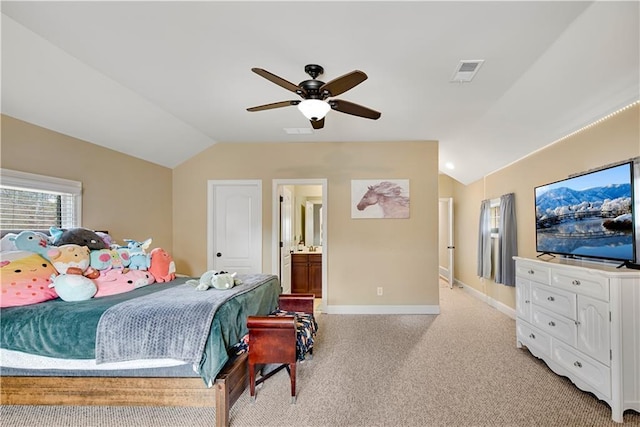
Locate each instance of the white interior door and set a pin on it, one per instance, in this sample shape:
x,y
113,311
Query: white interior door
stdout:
x,y
286,237
446,240
235,226
451,245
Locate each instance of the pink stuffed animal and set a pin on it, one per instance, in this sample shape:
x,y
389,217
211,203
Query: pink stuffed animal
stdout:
x,y
25,278
118,281
162,266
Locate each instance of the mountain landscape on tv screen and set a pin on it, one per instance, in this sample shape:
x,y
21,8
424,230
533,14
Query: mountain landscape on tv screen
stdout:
x,y
596,222
564,196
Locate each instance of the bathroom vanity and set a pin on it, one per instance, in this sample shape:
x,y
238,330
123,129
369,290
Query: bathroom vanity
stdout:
x,y
306,273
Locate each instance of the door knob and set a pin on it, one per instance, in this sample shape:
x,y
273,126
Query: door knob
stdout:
x,y
219,254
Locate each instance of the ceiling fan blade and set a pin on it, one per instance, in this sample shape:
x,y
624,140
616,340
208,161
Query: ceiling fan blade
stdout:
x,y
343,83
273,105
279,81
354,109
317,124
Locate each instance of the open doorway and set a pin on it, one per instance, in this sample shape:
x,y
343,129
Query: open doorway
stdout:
x,y
300,242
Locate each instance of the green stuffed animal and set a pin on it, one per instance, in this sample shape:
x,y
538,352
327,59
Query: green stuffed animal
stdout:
x,y
215,279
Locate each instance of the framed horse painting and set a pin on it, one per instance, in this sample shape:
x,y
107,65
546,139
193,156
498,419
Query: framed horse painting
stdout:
x,y
380,198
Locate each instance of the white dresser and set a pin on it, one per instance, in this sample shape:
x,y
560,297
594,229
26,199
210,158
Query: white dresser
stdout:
x,y
583,320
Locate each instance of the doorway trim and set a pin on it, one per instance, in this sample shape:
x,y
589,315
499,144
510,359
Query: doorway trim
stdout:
x,y
275,232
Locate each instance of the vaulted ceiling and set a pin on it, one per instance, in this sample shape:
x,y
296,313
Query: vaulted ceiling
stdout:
x,y
164,80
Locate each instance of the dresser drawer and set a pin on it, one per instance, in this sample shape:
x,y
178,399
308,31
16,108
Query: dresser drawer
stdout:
x,y
538,343
554,324
535,272
553,299
582,282
584,368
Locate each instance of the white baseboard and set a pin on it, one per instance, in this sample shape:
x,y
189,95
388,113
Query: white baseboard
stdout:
x,y
382,309
443,271
418,309
505,309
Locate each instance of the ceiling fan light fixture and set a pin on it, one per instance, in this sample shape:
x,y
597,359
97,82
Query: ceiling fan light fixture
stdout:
x,y
314,109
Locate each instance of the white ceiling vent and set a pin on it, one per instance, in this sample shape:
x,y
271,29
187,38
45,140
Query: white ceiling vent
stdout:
x,y
466,70
298,131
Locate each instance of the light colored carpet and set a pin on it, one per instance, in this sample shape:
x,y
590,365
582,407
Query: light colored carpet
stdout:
x,y
460,368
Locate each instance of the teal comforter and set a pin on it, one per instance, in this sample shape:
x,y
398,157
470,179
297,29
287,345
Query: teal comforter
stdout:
x,y
67,330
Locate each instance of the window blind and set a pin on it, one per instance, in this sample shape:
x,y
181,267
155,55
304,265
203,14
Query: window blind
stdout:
x,y
30,201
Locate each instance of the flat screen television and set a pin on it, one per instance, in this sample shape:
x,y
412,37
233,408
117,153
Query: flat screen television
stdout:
x,y
589,215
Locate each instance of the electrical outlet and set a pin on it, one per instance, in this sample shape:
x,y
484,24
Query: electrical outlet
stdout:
x,y
379,291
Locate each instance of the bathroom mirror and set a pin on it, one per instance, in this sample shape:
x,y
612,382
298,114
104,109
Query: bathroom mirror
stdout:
x,y
313,223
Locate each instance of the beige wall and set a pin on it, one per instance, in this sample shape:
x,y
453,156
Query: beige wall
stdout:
x,y
137,199
615,139
129,197
400,255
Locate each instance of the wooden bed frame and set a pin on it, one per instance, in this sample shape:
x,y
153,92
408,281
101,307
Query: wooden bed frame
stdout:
x,y
138,391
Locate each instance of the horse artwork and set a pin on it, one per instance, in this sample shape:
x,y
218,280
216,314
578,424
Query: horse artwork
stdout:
x,y
381,199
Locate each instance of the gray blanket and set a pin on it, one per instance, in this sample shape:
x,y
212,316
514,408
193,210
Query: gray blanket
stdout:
x,y
173,324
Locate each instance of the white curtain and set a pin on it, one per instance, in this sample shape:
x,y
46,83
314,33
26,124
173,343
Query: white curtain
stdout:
x,y
507,241
484,240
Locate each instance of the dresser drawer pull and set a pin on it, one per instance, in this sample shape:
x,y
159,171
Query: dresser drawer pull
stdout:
x,y
552,323
531,272
575,282
527,301
551,299
577,364
532,336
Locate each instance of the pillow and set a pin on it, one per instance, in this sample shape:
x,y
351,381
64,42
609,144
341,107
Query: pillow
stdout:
x,y
161,265
118,281
8,242
106,259
25,278
74,287
69,258
77,236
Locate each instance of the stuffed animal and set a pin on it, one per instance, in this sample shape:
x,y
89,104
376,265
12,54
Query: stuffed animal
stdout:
x,y
117,281
106,259
25,278
73,287
138,252
215,279
77,236
105,238
71,259
139,261
8,242
161,265
138,247
32,241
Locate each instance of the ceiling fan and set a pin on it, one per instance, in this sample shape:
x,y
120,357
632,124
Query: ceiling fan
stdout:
x,y
314,93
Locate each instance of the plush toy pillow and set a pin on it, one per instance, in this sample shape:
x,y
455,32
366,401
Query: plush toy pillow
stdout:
x,y
215,279
161,265
25,279
106,259
8,242
117,281
33,241
74,287
68,257
77,236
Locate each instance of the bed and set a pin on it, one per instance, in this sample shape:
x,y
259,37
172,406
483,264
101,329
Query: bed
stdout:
x,y
163,344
